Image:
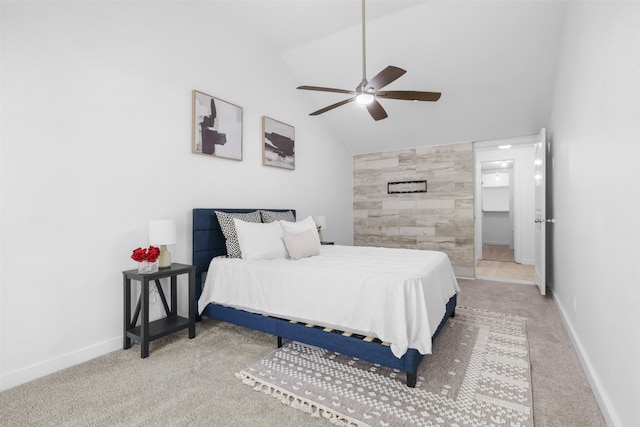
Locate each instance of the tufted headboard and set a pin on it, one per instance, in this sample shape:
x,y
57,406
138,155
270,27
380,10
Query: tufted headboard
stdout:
x,y
208,240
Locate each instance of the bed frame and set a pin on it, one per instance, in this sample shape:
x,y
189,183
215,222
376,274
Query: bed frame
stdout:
x,y
209,242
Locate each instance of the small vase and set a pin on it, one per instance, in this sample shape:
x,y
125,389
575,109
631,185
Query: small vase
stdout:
x,y
147,267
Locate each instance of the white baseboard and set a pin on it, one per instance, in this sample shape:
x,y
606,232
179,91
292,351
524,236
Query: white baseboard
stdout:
x,y
608,413
21,376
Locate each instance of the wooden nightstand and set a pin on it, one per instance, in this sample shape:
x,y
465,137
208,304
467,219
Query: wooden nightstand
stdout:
x,y
172,323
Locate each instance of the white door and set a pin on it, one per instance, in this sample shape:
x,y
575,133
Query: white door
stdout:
x,y
540,211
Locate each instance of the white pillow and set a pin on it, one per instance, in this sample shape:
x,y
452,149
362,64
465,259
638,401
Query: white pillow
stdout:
x,y
301,245
259,240
300,226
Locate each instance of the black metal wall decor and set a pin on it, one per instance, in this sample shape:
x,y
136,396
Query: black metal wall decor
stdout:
x,y
402,187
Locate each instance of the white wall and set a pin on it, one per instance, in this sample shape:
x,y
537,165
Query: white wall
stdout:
x,y
496,228
96,141
595,144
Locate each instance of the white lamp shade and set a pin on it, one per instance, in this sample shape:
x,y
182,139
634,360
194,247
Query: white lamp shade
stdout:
x,y
321,221
162,232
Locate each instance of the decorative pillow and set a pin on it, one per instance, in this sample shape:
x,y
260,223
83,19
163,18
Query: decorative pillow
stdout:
x,y
301,245
260,241
300,226
229,230
271,216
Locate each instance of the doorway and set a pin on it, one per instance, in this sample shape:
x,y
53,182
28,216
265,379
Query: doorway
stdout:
x,y
497,210
504,212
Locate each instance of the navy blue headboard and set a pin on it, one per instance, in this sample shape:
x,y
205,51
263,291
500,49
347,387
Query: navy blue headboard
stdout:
x,y
208,240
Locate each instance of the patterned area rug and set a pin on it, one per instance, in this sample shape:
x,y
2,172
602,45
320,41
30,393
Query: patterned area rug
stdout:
x,y
478,375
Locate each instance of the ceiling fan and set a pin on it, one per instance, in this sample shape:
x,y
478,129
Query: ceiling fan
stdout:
x,y
368,92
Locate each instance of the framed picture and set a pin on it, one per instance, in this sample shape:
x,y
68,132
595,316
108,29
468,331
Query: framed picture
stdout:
x,y
217,127
278,145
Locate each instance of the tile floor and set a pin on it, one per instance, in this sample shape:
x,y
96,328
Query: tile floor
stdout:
x,y
495,265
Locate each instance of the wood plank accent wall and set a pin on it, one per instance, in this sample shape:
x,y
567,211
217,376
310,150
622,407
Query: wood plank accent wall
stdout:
x,y
440,219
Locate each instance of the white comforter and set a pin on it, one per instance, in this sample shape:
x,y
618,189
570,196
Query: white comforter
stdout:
x,y
396,295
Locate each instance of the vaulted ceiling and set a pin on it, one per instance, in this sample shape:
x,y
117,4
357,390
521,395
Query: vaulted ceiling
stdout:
x,y
493,61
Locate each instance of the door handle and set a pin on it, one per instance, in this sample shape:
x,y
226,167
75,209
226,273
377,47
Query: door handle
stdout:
x,y
552,221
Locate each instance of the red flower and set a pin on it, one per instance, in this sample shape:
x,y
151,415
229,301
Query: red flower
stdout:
x,y
139,254
150,255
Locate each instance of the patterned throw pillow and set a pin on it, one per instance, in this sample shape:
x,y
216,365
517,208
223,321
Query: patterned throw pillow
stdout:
x,y
271,216
225,219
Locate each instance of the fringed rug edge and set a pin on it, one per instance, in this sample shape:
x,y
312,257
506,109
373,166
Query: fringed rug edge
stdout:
x,y
297,402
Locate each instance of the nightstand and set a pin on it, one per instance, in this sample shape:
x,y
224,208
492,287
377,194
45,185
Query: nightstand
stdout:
x,y
149,331
327,243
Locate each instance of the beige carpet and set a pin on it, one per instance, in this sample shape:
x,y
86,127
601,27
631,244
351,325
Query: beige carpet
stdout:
x,y
192,382
477,375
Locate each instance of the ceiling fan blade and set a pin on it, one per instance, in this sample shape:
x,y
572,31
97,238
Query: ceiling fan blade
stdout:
x,y
409,95
383,78
332,106
376,110
327,89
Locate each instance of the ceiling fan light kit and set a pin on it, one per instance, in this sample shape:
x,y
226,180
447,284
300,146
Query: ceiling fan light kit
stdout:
x,y
365,98
368,92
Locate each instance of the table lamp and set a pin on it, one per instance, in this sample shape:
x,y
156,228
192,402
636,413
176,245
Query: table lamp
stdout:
x,y
162,232
321,222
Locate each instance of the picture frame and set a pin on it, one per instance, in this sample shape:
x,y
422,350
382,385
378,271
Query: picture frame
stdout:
x,y
278,144
404,187
216,127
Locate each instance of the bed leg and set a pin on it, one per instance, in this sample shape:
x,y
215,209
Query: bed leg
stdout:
x,y
279,342
453,313
411,379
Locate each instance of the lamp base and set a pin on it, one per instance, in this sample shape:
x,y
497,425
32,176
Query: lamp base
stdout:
x,y
164,260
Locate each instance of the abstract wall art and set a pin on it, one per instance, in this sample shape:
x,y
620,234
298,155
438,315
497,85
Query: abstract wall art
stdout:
x,y
217,127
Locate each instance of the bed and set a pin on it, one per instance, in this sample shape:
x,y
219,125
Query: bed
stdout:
x,y
209,243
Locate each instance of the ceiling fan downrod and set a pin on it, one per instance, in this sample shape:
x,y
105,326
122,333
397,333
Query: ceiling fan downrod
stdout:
x,y
364,52
364,97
